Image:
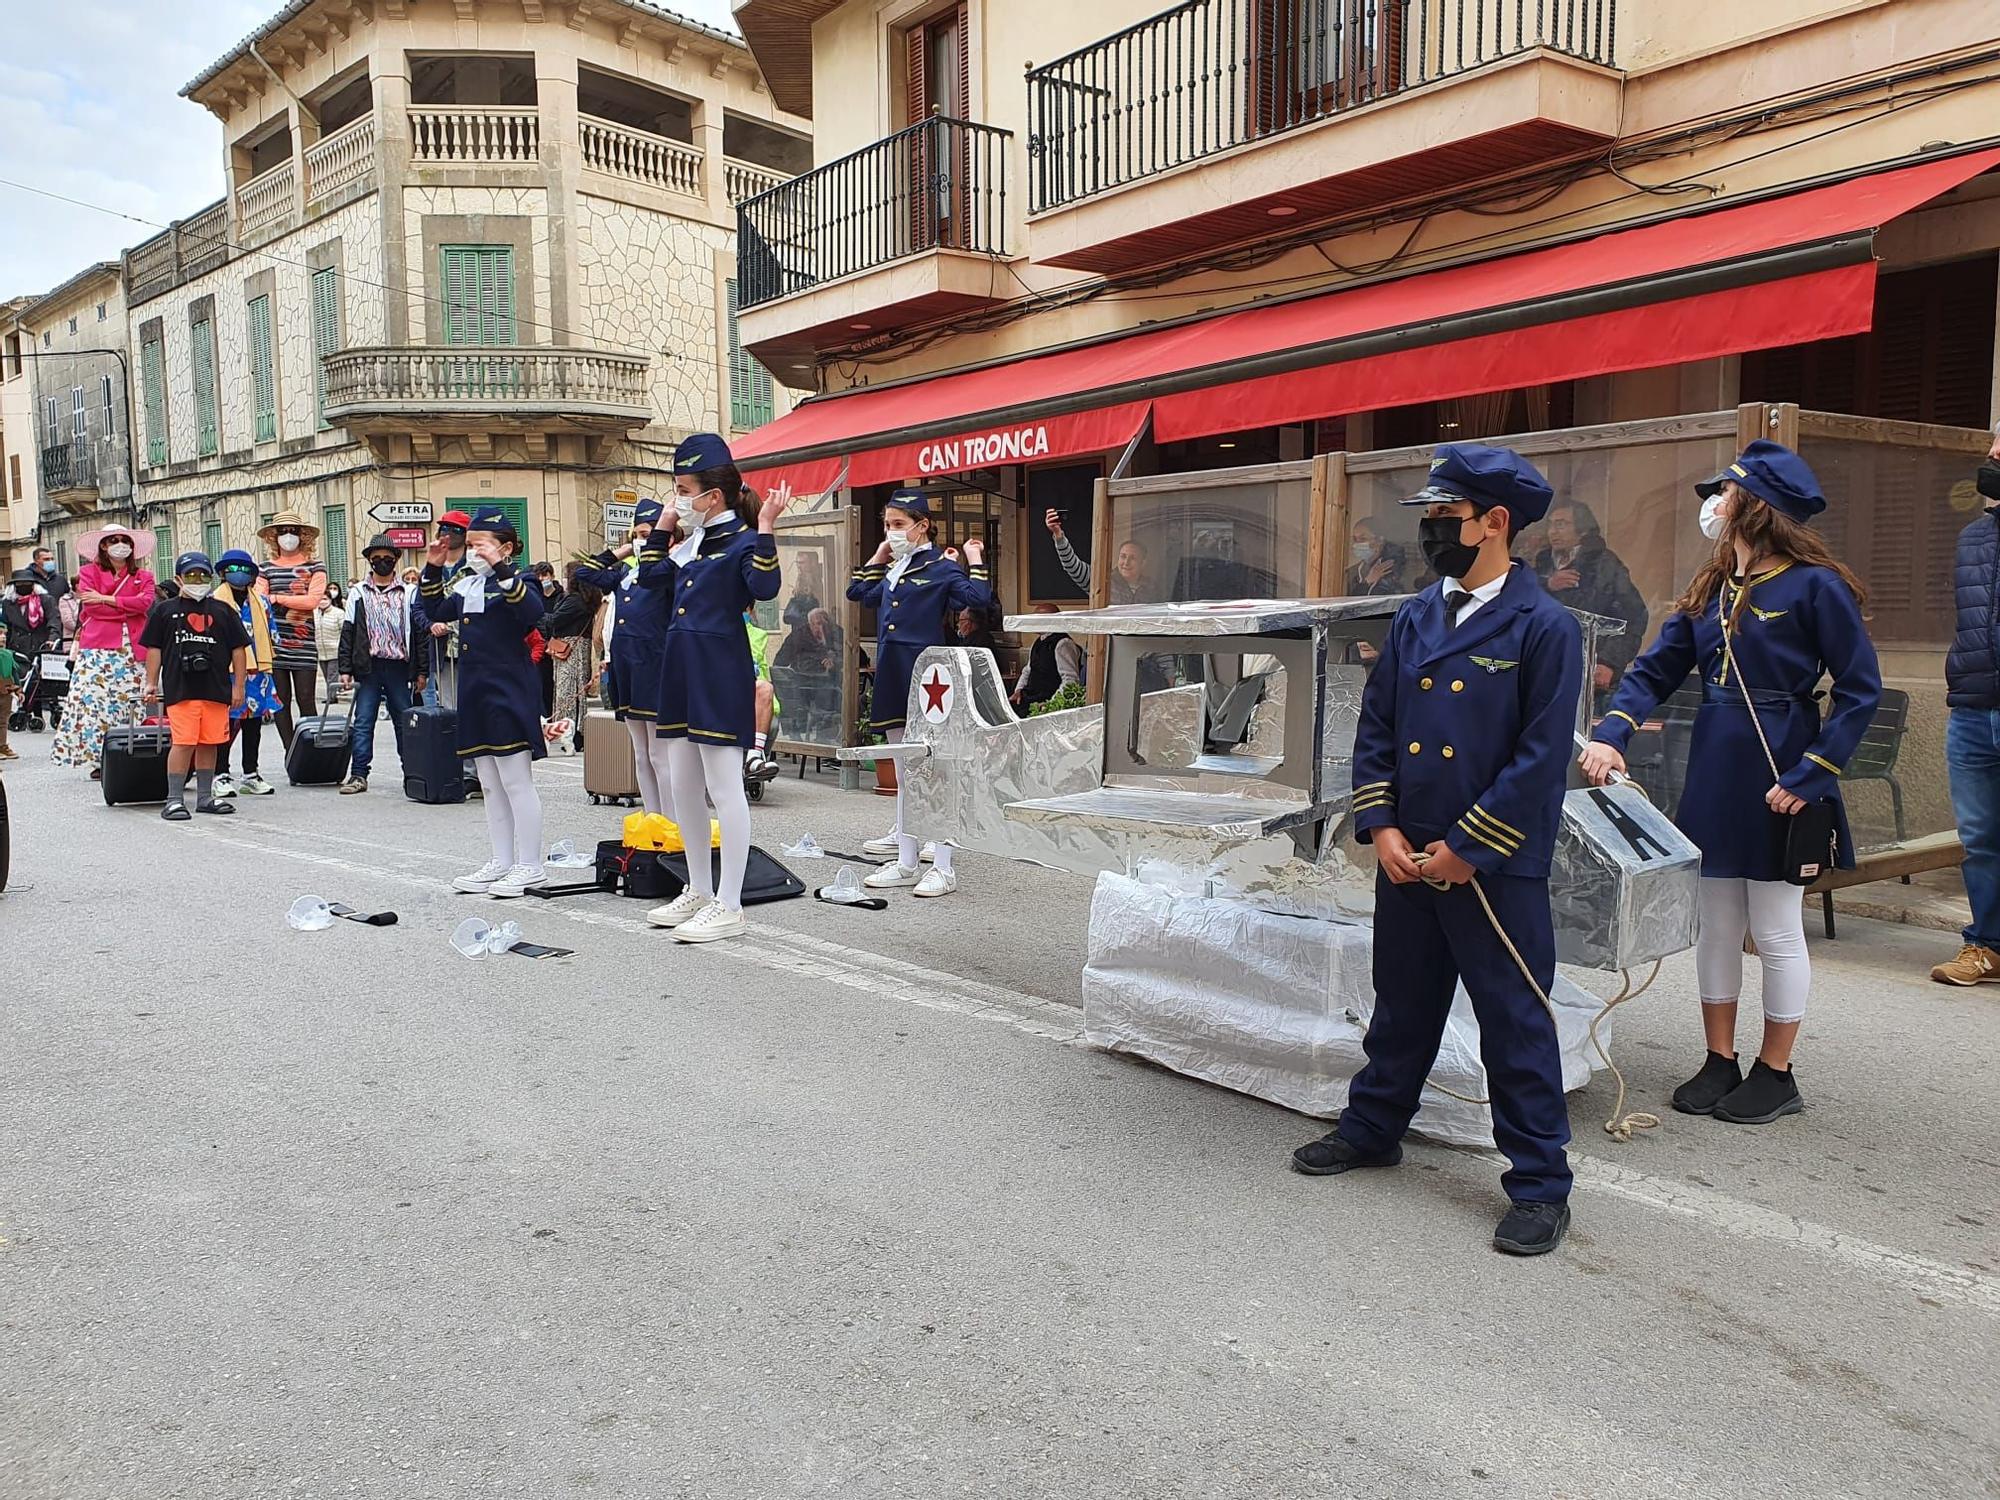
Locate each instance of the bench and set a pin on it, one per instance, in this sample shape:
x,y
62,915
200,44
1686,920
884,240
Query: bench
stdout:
x,y
1937,851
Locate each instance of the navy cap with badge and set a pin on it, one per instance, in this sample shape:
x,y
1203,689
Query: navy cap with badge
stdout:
x,y
192,562
702,452
496,521
647,512
1488,477
912,501
1775,475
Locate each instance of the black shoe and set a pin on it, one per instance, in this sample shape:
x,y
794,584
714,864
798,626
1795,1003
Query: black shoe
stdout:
x,y
215,805
1701,1093
176,812
1763,1097
1532,1228
1331,1154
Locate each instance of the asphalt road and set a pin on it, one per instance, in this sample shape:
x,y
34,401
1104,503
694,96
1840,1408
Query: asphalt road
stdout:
x,y
846,1208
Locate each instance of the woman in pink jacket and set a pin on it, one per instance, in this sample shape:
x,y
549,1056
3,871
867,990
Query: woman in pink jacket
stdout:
x,y
107,681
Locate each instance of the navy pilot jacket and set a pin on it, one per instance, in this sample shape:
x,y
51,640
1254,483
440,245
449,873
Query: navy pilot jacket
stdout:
x,y
1465,732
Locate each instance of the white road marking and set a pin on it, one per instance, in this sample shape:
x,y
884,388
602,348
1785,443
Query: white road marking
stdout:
x,y
896,979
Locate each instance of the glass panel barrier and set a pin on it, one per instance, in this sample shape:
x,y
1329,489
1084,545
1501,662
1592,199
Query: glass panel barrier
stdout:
x,y
807,646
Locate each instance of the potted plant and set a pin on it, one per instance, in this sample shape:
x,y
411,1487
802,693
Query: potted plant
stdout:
x,y
884,767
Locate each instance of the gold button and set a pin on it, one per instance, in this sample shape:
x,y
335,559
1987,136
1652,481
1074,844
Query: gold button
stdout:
x,y
1458,687
1415,748
1446,752
892,627
1425,684
683,609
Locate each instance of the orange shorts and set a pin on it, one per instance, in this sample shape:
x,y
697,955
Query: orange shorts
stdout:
x,y
198,722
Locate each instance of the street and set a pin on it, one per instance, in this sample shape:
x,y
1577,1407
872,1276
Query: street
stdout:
x,y
847,1208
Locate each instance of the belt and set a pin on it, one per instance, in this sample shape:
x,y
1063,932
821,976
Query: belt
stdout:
x,y
1717,692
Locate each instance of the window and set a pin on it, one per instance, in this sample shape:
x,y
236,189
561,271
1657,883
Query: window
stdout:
x,y
100,312
45,338
211,539
153,383
750,395
325,333
52,422
514,510
79,417
333,541
208,430
14,471
163,547
478,294
104,390
263,377
72,325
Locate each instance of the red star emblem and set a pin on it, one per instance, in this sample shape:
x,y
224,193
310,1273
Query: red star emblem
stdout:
x,y
935,689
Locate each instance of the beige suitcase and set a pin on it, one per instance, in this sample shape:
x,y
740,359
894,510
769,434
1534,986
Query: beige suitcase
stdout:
x,y
608,774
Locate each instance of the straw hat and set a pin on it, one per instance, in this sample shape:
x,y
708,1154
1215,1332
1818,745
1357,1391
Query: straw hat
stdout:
x,y
288,520
141,540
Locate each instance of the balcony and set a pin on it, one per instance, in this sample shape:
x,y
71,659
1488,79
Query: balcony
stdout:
x,y
348,155
69,477
378,392
475,135
264,202
192,248
745,180
1313,110
640,156
901,232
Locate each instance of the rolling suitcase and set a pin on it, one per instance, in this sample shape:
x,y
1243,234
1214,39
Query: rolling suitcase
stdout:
x,y
764,879
608,771
134,763
321,749
432,772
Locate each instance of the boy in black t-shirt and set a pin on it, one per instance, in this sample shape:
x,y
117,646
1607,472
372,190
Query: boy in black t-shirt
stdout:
x,y
202,649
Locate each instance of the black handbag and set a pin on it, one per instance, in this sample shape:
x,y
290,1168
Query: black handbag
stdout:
x,y
1809,838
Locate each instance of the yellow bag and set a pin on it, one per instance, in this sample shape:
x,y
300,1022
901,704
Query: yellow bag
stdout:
x,y
656,831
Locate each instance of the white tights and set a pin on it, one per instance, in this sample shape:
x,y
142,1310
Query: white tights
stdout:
x,y
648,764
513,807
907,850
701,774
1771,911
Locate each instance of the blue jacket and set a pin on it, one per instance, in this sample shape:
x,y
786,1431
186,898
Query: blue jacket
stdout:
x,y
1972,667
1465,732
734,567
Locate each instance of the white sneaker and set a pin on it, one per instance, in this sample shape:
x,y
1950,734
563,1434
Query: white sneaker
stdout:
x,y
225,788
713,921
886,847
891,877
517,882
927,855
688,903
936,883
480,881
254,786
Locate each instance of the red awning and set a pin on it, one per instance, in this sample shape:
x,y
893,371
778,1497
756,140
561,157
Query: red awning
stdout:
x,y
1594,307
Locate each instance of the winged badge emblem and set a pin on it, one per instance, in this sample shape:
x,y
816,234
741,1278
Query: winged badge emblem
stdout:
x,y
1494,664
1768,615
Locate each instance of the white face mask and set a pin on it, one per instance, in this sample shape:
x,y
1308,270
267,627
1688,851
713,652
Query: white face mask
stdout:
x,y
900,544
288,541
1712,519
119,551
195,590
478,564
1364,552
684,511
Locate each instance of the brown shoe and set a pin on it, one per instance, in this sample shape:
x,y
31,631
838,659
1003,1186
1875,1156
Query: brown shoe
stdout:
x,y
1974,965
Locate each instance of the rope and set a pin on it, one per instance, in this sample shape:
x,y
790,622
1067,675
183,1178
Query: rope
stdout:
x,y
1620,1126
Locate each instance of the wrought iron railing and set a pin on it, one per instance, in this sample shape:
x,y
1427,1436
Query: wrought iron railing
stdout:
x,y
533,380
71,467
938,185
1212,74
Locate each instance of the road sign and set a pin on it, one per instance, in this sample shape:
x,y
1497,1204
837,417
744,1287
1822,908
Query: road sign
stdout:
x,y
619,516
401,513
408,538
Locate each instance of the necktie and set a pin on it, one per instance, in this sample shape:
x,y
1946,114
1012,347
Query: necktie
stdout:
x,y
1455,601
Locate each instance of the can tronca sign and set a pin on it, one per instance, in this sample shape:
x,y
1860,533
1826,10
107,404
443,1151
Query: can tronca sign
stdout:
x,y
1009,445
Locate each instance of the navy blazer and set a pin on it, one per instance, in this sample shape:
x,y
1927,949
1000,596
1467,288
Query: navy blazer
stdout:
x,y
734,567
1465,731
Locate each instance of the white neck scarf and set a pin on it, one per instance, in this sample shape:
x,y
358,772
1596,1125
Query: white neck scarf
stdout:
x,y
685,552
902,564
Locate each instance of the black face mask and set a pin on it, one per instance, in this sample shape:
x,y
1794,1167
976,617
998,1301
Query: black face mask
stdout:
x,y
381,567
1439,537
1989,482
24,590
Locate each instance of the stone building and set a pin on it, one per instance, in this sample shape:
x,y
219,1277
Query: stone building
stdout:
x,y
476,253
20,488
1281,247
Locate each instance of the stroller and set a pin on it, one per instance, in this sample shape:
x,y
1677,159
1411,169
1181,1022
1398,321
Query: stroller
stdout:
x,y
43,688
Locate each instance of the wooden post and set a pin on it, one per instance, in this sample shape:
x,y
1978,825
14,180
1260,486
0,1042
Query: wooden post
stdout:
x,y
1315,579
1750,424
1100,586
1782,424
1339,508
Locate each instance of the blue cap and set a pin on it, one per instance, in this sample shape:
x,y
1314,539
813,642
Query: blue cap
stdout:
x,y
647,512
1487,477
192,562
916,502
700,453
495,521
236,557
1775,475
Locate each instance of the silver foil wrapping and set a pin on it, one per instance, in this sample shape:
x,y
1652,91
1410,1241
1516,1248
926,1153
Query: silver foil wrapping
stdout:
x,y
1624,881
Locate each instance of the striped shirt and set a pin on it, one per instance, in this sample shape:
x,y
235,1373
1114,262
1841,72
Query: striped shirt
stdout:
x,y
294,642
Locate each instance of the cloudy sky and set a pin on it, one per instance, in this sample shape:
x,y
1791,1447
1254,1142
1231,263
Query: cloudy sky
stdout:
x,y
90,107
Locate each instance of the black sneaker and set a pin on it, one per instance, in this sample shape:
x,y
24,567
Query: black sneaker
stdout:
x,y
1330,1154
1532,1228
1764,1096
176,812
216,805
1701,1093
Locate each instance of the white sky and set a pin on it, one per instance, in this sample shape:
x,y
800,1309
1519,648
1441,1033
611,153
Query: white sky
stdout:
x,y
90,107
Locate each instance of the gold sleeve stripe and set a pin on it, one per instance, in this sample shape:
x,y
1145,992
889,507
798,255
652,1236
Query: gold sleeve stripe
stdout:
x,y
768,564
1500,849
1819,760
1369,786
1498,839
1375,799
1497,823
1619,713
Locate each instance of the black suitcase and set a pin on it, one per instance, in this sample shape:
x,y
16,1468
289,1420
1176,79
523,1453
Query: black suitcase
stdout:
x,y
321,749
764,879
134,763
432,772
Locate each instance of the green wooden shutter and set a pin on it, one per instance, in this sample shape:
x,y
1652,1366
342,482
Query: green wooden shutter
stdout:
x,y
751,402
325,333
333,542
211,539
207,431
153,375
263,377
163,551
478,294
